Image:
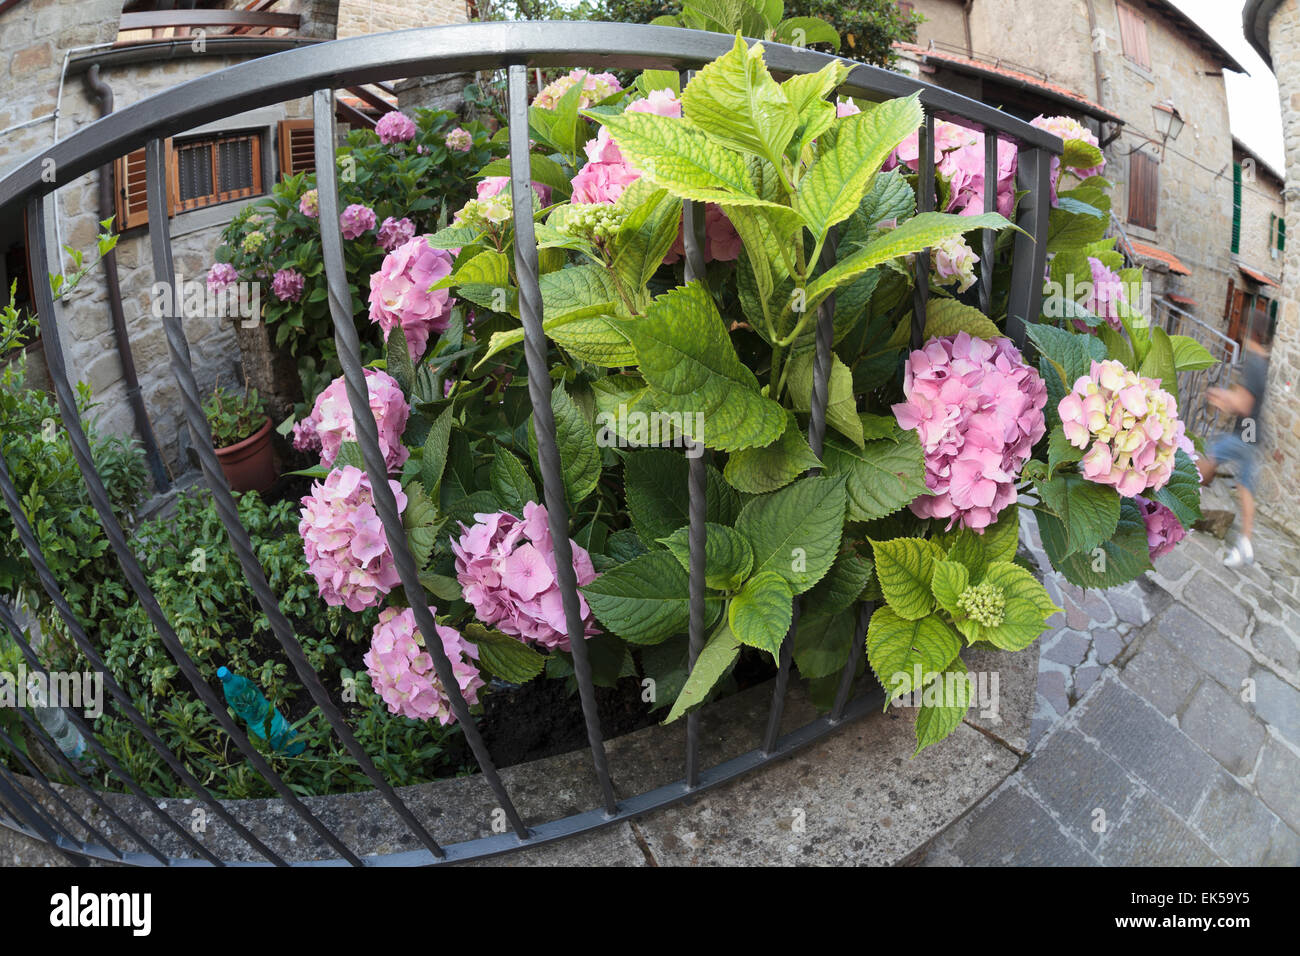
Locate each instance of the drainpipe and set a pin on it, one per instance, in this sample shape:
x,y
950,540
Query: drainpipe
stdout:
x,y
162,482
965,22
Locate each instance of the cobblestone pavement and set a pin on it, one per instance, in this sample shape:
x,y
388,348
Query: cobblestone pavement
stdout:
x,y
1167,728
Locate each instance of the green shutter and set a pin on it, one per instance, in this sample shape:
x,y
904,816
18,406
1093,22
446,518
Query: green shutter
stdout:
x,y
1281,235
1236,207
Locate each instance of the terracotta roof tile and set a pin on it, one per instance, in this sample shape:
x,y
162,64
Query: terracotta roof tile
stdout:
x,y
1054,90
1170,260
1257,276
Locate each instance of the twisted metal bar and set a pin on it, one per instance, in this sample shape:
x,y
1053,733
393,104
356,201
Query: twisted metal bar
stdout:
x,y
990,205
825,339
87,732
119,695
850,672
697,508
113,531
924,203
35,774
548,452
26,809
225,505
363,418
1029,257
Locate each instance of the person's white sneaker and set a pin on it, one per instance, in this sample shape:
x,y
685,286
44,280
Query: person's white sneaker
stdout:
x,y
1239,554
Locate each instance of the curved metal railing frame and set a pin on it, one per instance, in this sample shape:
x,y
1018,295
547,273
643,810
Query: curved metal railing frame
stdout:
x,y
318,71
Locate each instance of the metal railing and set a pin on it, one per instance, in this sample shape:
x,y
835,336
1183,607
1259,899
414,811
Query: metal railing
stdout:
x,y
1201,417
319,72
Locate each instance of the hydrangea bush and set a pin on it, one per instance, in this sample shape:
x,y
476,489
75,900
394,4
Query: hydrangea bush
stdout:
x,y
808,201
404,178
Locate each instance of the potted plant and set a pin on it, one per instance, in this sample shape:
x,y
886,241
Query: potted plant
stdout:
x,y
241,435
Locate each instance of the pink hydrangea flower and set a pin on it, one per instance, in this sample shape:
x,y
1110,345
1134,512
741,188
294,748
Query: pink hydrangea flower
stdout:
x,y
395,232
399,293
606,173
978,411
344,541
356,220
309,204
395,127
506,569
1129,426
959,156
1068,129
402,673
459,140
845,108
595,86
1164,530
331,418
490,186
304,435
220,276
721,241
1104,297
287,284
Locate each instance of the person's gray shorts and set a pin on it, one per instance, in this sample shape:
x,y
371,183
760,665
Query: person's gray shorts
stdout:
x,y
1242,455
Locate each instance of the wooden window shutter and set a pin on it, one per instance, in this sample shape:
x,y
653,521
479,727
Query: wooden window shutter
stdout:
x,y
1236,207
297,147
1143,190
1133,35
130,194
1227,306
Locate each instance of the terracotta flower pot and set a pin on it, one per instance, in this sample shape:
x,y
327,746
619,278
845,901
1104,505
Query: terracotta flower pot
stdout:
x,y
249,465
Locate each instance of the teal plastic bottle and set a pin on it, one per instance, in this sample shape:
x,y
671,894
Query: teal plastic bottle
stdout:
x,y
251,704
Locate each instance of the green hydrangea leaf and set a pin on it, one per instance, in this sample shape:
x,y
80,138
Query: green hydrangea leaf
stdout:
x,y
1115,561
795,532
950,579
1088,511
738,105
728,557
760,613
504,656
715,661
643,601
945,317
843,584
1028,606
579,453
1182,494
757,471
687,358
822,643
905,569
835,184
896,647
841,404
511,483
936,720
881,477
655,483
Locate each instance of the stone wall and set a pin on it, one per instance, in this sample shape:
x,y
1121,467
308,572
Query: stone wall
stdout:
x,y
1261,200
1280,495
358,17
33,38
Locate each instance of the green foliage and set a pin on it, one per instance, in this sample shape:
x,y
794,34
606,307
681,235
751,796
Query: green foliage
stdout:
x,y
232,417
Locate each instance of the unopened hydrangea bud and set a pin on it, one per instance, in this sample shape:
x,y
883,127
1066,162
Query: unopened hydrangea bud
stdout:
x,y
984,604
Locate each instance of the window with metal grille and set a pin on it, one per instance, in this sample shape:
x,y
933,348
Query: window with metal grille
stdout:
x,y
217,169
1133,35
1143,190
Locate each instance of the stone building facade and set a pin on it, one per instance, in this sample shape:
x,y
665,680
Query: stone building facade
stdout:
x,y
1273,28
1108,63
51,99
